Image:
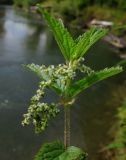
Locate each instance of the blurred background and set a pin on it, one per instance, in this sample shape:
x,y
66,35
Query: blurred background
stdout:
x,y
99,115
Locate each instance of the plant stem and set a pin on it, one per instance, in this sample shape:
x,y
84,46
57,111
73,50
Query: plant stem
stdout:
x,y
66,126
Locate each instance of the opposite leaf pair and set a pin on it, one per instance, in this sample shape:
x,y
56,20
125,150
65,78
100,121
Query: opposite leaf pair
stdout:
x,y
70,48
56,151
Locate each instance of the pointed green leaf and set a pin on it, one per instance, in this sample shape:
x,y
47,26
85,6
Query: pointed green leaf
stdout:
x,y
62,36
84,42
85,83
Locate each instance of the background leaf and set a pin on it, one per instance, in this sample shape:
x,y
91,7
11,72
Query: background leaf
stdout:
x,y
115,146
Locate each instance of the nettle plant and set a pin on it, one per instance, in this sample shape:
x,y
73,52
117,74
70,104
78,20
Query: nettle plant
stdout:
x,y
61,79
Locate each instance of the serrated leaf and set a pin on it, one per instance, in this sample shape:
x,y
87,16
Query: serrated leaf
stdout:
x,y
72,49
73,153
50,151
85,83
56,151
85,41
62,36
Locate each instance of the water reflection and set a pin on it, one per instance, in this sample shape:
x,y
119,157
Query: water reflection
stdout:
x,y
24,40
1,24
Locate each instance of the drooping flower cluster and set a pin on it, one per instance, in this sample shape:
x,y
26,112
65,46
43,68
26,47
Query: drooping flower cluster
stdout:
x,y
59,76
40,113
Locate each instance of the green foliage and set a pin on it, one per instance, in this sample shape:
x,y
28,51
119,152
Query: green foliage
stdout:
x,y
60,78
25,3
85,41
61,34
71,7
68,6
119,143
50,151
112,3
56,151
122,4
73,153
115,146
85,83
72,49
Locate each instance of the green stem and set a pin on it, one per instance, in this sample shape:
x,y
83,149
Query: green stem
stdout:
x,y
66,126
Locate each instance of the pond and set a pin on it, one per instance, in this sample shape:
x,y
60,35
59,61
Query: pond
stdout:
x,y
23,40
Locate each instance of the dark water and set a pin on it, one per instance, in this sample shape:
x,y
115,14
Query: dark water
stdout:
x,y
24,40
